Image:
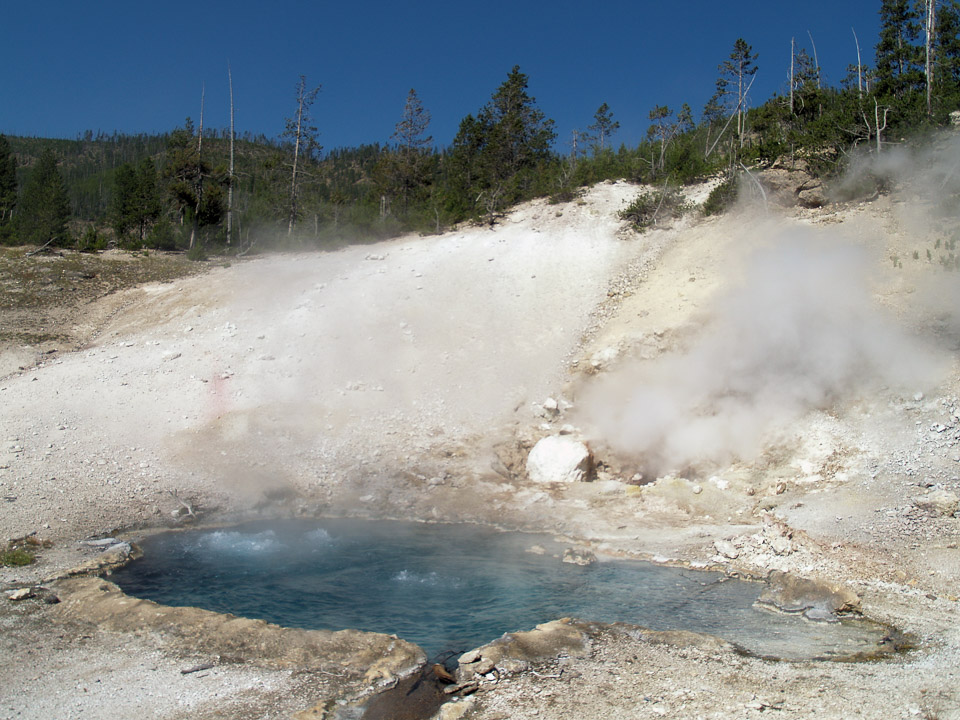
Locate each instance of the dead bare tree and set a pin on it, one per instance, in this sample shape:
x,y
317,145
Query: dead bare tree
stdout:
x,y
859,65
930,26
878,125
195,226
304,136
792,58
816,62
729,120
230,175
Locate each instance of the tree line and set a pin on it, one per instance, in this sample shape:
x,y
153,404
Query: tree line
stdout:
x,y
193,188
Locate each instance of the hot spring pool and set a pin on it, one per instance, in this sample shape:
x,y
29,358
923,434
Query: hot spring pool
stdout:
x,y
455,587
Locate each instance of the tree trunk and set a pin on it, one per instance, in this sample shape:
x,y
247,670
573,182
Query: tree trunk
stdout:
x,y
859,65
230,176
296,156
792,55
931,28
816,62
195,228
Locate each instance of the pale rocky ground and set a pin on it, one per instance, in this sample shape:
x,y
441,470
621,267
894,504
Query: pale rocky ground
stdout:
x,y
409,379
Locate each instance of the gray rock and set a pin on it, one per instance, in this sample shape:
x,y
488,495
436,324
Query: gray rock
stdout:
x,y
471,656
103,542
727,549
940,503
781,545
817,600
578,557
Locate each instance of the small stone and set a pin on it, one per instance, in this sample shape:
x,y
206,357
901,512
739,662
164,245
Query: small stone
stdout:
x,y
941,503
471,656
579,557
103,542
781,545
727,549
484,666
21,594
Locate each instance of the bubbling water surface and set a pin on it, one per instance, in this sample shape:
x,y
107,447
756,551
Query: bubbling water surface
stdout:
x,y
455,587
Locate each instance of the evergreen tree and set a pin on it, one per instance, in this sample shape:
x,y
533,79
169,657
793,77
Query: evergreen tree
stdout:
x,y
136,203
44,210
947,57
406,172
303,134
124,193
662,131
147,199
734,81
8,188
180,172
604,126
899,58
495,155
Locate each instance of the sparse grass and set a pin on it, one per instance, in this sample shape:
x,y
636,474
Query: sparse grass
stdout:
x,y
41,296
22,551
16,557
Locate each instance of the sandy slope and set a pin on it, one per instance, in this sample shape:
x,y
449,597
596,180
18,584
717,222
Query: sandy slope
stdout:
x,y
405,378
304,364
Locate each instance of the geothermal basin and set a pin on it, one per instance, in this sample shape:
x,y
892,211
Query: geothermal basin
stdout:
x,y
453,587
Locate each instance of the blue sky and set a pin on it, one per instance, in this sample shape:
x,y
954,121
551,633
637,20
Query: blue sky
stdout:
x,y
136,66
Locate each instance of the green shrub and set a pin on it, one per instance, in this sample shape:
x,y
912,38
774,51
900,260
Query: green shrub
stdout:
x,y
722,197
197,253
652,207
162,236
16,557
91,241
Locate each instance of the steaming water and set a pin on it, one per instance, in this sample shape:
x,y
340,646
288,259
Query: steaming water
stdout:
x,y
455,587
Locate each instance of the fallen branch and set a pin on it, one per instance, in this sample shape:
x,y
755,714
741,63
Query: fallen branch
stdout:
x,y
186,506
42,248
663,195
763,193
196,668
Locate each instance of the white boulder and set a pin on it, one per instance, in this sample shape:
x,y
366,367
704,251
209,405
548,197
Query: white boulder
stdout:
x,y
559,458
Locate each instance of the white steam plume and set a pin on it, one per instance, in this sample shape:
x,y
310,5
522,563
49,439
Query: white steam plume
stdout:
x,y
800,331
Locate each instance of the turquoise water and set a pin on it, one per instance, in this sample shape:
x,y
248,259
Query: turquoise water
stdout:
x,y
455,587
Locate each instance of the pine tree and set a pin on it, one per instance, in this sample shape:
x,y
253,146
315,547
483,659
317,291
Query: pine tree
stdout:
x,y
495,154
136,201
303,134
947,56
604,126
124,193
405,172
662,130
147,199
8,188
44,210
899,58
736,73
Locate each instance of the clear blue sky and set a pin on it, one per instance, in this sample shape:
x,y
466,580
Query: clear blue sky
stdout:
x,y
137,66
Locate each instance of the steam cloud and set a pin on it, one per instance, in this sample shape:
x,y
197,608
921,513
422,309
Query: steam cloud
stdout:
x,y
800,330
